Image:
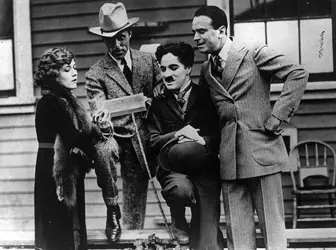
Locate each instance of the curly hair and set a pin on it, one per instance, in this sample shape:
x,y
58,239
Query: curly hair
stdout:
x,y
50,63
183,51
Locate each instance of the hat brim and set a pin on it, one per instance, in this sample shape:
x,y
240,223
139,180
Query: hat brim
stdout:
x,y
99,32
185,158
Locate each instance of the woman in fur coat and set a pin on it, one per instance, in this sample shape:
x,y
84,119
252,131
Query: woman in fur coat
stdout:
x,y
68,145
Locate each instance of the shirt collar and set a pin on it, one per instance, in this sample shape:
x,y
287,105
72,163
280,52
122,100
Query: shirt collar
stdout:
x,y
185,85
127,59
223,53
182,88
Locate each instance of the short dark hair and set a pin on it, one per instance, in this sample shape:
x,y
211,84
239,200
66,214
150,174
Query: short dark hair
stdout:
x,y
183,51
216,14
50,63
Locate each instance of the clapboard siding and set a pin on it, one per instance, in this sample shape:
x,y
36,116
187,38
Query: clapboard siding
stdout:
x,y
71,8
65,23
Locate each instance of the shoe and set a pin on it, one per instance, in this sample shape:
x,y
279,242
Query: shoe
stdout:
x,y
113,228
179,226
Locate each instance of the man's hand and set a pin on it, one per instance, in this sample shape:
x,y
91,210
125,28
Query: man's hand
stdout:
x,y
272,125
189,133
158,91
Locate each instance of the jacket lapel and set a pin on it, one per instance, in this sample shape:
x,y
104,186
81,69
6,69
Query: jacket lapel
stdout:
x,y
136,71
235,57
192,96
213,81
117,75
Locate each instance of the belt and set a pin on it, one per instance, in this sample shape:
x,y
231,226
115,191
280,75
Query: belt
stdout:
x,y
46,145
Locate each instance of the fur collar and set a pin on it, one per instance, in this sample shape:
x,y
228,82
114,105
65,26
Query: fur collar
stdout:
x,y
66,170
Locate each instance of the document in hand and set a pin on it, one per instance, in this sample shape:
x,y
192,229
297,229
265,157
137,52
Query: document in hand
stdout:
x,y
126,105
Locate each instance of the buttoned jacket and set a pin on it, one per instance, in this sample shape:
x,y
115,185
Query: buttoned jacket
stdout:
x,y
242,99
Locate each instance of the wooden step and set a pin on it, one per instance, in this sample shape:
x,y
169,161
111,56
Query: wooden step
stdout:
x,y
98,238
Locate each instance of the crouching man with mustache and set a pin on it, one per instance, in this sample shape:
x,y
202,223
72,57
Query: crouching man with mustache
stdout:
x,y
184,132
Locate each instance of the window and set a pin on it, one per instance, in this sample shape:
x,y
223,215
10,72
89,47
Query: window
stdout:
x,y
301,29
16,81
6,48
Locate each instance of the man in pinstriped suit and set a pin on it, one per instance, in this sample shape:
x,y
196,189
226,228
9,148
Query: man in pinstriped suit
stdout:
x,y
252,152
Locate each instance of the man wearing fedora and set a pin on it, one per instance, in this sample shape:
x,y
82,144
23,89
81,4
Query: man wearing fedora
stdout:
x,y
184,131
122,72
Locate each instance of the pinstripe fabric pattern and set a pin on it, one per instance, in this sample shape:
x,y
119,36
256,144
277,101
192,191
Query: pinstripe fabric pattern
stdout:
x,y
243,104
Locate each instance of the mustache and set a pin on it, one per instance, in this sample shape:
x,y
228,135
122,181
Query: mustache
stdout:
x,y
169,79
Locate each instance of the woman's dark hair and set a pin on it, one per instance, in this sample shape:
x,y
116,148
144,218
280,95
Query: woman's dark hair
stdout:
x,y
50,63
183,51
216,14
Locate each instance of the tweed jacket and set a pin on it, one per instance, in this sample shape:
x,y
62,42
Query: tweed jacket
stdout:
x,y
166,118
106,81
242,99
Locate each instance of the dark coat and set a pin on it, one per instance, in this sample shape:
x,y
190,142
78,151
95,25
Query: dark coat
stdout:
x,y
54,219
62,124
165,119
242,100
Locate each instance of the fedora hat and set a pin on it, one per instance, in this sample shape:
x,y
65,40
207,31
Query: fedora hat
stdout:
x,y
190,158
112,19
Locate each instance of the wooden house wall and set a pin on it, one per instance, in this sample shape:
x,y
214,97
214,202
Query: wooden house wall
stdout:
x,y
65,23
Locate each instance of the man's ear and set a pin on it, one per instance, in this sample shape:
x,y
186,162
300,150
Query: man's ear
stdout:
x,y
188,70
130,33
222,31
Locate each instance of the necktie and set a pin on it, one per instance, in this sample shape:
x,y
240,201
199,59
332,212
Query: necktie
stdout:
x,y
180,96
127,72
217,67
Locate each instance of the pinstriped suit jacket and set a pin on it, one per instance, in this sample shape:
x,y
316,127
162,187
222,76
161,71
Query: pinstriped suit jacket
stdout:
x,y
243,103
106,81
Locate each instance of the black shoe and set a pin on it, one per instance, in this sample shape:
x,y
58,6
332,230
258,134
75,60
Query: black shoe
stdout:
x,y
113,229
179,225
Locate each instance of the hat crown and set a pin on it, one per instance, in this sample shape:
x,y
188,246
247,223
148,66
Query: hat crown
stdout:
x,y
112,16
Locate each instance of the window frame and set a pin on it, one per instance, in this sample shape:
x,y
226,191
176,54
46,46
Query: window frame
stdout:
x,y
24,99
320,85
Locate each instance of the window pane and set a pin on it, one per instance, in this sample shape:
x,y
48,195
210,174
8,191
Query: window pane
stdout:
x,y
316,45
248,9
6,18
250,31
283,36
6,65
281,9
315,7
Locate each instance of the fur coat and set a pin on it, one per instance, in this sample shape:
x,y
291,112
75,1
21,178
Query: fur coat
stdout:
x,y
67,164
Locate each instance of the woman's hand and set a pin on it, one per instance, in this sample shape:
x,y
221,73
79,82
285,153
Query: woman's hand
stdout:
x,y
101,116
103,119
59,193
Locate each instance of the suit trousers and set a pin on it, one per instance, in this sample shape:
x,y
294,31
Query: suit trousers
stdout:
x,y
242,198
203,197
135,186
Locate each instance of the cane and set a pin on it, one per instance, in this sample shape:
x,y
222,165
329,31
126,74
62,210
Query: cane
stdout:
x,y
130,105
151,178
